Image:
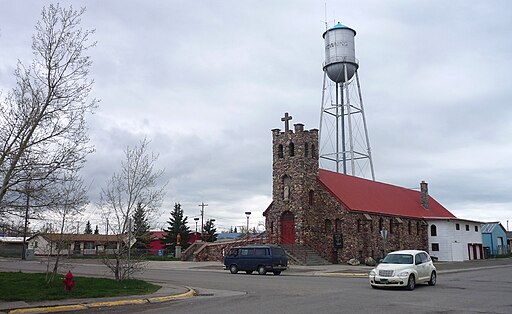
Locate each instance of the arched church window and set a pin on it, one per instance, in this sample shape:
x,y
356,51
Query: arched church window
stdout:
x,y
433,230
417,227
328,226
381,223
337,225
359,225
311,196
280,151
410,227
391,225
292,149
306,150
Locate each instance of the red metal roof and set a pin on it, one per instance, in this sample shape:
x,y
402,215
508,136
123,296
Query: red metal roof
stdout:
x,y
359,194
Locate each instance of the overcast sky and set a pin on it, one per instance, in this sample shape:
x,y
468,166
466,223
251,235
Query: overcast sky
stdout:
x,y
206,81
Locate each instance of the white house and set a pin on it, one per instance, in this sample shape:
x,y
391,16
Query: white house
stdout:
x,y
455,239
75,244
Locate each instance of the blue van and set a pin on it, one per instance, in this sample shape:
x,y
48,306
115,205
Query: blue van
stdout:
x,y
260,258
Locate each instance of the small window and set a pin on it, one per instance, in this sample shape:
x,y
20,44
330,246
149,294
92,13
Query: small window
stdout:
x,y
417,227
467,227
313,151
311,196
435,246
391,225
381,223
328,226
280,151
433,230
410,227
338,225
247,252
457,227
292,149
260,252
476,228
359,225
306,150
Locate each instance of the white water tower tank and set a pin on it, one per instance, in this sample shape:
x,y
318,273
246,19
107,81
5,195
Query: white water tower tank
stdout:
x,y
340,51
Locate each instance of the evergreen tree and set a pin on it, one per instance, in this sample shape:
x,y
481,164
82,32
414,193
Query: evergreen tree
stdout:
x,y
141,228
88,229
210,232
236,230
177,224
96,231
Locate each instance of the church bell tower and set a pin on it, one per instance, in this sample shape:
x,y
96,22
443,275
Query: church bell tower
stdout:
x,y
294,174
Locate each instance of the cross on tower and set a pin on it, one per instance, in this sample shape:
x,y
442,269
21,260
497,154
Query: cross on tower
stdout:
x,y
286,120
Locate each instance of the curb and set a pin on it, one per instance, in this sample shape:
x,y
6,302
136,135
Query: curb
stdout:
x,y
74,307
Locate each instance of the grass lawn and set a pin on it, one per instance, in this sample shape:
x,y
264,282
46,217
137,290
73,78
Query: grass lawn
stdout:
x,y
18,286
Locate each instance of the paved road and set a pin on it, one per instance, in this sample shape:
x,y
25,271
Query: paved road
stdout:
x,y
485,289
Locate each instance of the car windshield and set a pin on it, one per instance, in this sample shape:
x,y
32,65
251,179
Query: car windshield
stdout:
x,y
398,259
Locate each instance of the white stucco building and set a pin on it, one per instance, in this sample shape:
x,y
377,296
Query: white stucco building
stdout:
x,y
455,239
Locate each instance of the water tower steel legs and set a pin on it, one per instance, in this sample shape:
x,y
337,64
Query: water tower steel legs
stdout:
x,y
342,109
365,127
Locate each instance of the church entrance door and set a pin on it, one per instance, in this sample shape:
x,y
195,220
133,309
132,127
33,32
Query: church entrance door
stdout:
x,y
287,228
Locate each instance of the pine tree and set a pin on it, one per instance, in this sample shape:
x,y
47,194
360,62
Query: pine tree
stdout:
x,y
210,232
96,231
177,224
141,229
236,230
88,229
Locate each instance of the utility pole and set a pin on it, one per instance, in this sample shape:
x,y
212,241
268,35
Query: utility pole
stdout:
x,y
203,205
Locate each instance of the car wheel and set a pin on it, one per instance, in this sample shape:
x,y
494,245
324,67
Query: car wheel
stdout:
x,y
233,269
248,272
262,270
277,272
433,279
411,283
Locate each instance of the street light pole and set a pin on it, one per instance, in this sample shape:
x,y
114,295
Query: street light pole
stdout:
x,y
247,214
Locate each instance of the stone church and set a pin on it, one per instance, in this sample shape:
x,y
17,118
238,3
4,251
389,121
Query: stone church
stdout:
x,y
338,216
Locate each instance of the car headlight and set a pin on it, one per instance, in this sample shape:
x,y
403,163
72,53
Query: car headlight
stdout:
x,y
373,273
403,274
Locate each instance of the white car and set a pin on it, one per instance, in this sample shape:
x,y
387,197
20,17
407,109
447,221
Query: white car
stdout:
x,y
404,269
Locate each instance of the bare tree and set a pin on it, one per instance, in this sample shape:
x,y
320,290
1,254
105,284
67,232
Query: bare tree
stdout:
x,y
72,196
44,114
137,185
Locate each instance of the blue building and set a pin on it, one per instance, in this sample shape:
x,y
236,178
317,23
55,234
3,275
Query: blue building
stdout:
x,y
494,239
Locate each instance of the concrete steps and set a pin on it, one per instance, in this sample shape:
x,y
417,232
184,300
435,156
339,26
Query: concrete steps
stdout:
x,y
303,255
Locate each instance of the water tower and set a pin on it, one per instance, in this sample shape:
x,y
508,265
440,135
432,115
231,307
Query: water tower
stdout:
x,y
344,141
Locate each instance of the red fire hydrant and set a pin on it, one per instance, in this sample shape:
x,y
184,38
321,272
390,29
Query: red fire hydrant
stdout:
x,y
69,283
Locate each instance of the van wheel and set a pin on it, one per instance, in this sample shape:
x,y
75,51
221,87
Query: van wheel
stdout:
x,y
277,272
248,272
233,269
262,270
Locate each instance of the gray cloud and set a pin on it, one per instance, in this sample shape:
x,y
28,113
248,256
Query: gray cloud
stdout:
x,y
206,81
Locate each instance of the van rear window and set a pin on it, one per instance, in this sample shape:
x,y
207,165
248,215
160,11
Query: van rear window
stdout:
x,y
278,251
